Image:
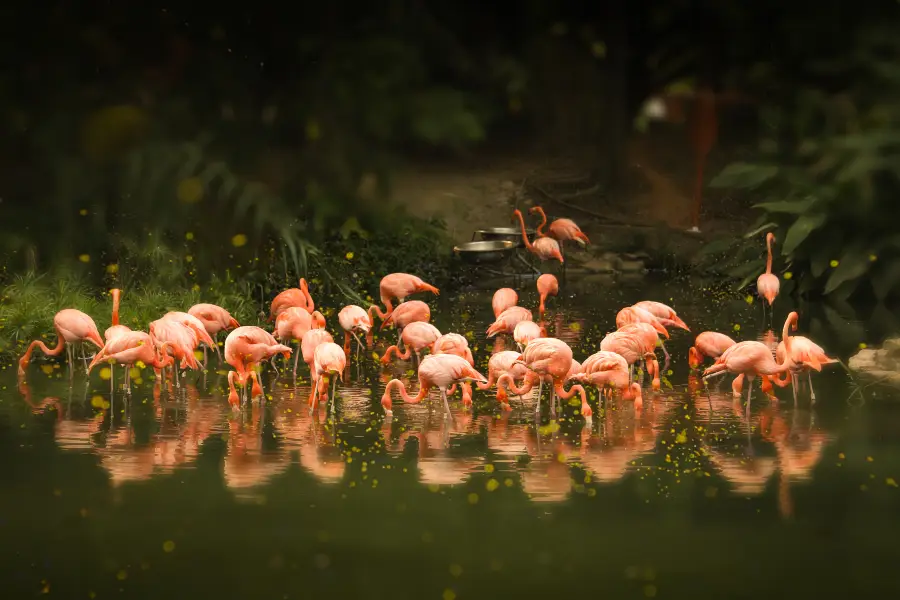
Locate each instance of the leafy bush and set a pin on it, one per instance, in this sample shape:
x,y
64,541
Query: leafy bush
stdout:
x,y
828,167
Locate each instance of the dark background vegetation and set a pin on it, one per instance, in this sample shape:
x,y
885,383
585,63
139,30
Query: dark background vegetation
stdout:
x,y
200,150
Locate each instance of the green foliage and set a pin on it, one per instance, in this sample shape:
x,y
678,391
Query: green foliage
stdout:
x,y
828,170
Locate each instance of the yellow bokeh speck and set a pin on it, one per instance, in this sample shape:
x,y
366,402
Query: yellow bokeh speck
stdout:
x,y
239,240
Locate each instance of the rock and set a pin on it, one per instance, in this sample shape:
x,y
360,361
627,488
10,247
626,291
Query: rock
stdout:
x,y
599,265
882,363
865,359
891,347
628,263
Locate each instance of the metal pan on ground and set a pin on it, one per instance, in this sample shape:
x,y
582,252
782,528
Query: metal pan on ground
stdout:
x,y
485,252
508,234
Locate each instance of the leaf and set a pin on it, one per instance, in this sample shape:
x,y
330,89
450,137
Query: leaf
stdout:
x,y
753,267
716,246
757,230
743,175
848,328
853,265
800,230
791,207
886,279
818,263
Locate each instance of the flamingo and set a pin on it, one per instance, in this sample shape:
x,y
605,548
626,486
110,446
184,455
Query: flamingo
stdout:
x,y
398,286
560,229
632,315
292,297
752,358
551,359
329,360
507,320
192,323
453,343
666,314
629,344
416,337
502,363
547,285
354,320
545,248
806,355
246,347
182,342
214,319
503,298
767,284
608,369
649,339
292,324
308,345
72,327
525,331
436,370
127,349
406,313
713,344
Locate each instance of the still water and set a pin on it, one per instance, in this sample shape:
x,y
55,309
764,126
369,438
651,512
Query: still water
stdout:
x,y
166,497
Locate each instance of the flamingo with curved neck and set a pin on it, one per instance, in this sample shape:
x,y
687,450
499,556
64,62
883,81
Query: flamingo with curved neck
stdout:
x,y
545,248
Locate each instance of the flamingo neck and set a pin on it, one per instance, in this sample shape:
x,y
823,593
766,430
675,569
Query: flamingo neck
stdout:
x,y
382,314
115,308
769,257
525,239
786,336
396,383
540,227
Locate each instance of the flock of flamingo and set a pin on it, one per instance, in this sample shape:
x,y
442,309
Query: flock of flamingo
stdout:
x,y
298,328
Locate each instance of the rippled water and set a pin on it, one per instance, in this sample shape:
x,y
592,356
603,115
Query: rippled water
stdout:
x,y
180,498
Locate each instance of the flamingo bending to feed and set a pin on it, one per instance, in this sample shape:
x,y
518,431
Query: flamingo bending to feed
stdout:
x,y
406,313
547,285
609,371
246,347
292,324
713,344
436,370
806,355
72,327
416,337
560,229
649,340
398,286
127,349
503,298
192,323
507,320
215,319
311,340
329,361
292,297
633,315
551,360
507,362
182,342
355,320
666,314
526,331
545,248
453,343
751,359
767,284
628,344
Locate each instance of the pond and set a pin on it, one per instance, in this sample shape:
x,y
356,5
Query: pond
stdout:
x,y
179,498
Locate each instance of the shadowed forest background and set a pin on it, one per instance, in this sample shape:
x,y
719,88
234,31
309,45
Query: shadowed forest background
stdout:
x,y
198,152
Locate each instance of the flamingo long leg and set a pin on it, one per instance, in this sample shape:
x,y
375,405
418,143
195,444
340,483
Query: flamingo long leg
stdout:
x,y
812,392
446,403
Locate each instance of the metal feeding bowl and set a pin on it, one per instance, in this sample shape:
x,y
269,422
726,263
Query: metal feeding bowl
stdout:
x,y
508,234
485,251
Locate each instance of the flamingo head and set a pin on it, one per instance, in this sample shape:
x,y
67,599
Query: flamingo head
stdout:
x,y
694,358
770,238
387,405
660,329
318,320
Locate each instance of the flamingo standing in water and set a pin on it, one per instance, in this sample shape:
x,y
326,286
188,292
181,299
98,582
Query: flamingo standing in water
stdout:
x,y
629,345
113,331
806,355
354,320
453,343
507,320
526,331
545,248
713,344
632,315
72,327
292,297
507,362
767,284
560,229
246,347
182,342
214,319
649,339
416,337
609,370
547,285
398,286
436,370
311,340
504,298
406,313
329,361
292,324
127,349
192,323
664,313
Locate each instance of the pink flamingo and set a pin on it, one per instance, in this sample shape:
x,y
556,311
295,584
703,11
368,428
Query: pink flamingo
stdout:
x,y
214,320
560,229
606,369
551,359
292,297
353,320
526,331
507,362
398,286
632,315
664,313
246,347
629,345
329,361
806,355
416,337
406,313
767,284
649,340
72,327
292,324
751,359
182,342
308,345
436,370
712,344
545,248
503,298
507,320
547,285
127,349
453,343
192,323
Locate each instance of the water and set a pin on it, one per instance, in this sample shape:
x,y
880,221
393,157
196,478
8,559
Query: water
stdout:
x,y
181,499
